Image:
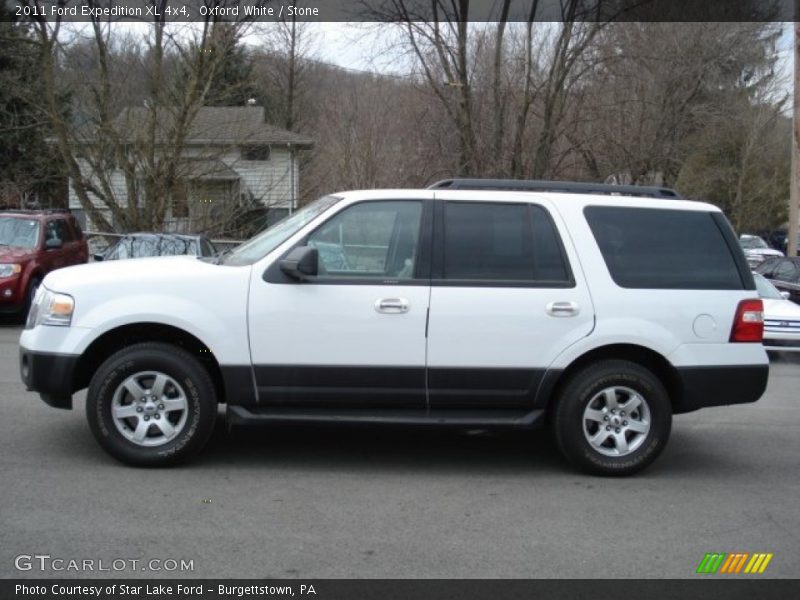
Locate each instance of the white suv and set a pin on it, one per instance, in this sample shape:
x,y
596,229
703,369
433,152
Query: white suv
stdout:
x,y
602,311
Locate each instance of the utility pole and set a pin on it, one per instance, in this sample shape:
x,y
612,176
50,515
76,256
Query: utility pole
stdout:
x,y
794,194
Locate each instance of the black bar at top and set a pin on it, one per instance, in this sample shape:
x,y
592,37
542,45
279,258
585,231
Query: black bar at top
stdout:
x,y
396,10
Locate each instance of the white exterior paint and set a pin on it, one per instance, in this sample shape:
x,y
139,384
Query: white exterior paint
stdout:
x,y
208,301
309,324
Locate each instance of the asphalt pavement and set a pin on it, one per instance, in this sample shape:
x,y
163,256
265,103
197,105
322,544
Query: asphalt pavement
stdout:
x,y
311,502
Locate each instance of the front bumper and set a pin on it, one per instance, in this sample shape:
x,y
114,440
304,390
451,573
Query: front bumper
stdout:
x,y
11,298
52,375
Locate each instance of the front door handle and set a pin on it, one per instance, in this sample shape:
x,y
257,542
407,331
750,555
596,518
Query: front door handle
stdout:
x,y
392,305
562,309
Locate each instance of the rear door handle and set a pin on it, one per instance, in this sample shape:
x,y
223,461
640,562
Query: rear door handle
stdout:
x,y
392,305
562,309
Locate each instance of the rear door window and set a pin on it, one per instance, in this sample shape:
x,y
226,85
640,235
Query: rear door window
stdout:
x,y
493,241
63,231
785,270
664,249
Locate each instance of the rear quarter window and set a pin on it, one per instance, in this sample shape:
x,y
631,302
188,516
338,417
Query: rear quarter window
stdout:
x,y
665,249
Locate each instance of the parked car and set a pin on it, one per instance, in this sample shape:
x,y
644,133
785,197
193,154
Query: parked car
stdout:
x,y
142,245
781,317
784,273
756,250
32,244
468,306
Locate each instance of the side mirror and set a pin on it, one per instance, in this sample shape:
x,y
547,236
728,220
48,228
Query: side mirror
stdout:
x,y
53,244
785,295
300,263
98,257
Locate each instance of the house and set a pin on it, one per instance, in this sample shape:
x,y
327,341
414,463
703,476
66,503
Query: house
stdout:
x,y
230,159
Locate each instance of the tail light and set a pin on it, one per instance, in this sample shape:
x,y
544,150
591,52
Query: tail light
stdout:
x,y
748,324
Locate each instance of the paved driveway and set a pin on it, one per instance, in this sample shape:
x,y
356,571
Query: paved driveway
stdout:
x,y
318,503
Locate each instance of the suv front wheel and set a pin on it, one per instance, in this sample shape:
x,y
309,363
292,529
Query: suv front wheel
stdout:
x,y
612,418
151,404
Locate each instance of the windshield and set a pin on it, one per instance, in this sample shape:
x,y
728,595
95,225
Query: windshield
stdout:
x,y
766,289
269,239
752,243
20,233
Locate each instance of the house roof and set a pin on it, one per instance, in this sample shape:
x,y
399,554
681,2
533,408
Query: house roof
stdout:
x,y
218,125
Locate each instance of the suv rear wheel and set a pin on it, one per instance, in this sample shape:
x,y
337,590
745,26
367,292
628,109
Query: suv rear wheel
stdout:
x,y
151,404
612,418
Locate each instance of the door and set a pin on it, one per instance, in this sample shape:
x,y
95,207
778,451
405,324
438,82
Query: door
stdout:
x,y
55,258
354,335
505,301
71,248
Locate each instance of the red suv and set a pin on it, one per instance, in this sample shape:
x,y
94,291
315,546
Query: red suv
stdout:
x,y
33,243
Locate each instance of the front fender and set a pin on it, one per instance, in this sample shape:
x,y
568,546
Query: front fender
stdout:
x,y
223,332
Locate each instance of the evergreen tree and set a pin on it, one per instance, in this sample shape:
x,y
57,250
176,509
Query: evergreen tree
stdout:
x,y
27,171
233,82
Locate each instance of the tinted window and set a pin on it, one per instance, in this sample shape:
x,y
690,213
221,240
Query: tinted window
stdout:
x,y
663,249
57,230
785,270
501,242
377,239
64,232
547,253
767,267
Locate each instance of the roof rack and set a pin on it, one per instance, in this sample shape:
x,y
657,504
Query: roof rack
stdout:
x,y
570,187
36,211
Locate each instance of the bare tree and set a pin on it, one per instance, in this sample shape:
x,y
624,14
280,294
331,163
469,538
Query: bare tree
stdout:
x,y
284,65
180,62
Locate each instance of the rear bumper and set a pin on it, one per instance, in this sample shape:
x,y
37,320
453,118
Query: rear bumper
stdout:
x,y
51,375
782,341
720,385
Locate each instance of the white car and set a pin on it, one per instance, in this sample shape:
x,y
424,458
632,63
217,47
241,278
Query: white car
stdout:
x,y
756,250
781,317
600,312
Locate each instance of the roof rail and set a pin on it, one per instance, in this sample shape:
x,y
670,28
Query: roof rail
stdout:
x,y
36,211
570,187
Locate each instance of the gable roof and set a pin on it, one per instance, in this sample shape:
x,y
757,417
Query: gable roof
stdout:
x,y
219,125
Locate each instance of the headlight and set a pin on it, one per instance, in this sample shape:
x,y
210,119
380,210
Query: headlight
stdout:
x,y
50,308
7,270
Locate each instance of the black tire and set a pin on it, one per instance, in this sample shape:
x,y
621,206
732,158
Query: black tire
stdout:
x,y
177,364
573,399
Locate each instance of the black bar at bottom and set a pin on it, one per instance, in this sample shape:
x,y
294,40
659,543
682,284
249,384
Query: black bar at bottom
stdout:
x,y
704,586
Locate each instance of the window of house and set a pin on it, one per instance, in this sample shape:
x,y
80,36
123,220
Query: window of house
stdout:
x,y
180,201
260,152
